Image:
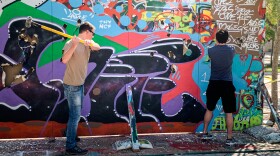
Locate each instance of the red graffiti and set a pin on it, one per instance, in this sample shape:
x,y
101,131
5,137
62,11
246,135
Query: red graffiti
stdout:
x,y
86,5
201,22
135,14
262,9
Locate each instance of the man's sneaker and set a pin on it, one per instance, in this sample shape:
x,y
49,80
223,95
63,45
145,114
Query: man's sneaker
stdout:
x,y
206,136
76,151
230,142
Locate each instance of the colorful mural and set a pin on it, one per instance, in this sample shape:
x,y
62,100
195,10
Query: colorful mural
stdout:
x,y
157,47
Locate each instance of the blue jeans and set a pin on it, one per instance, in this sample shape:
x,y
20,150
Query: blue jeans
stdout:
x,y
74,95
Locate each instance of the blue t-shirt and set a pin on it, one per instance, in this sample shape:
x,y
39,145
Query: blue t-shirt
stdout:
x,y
221,57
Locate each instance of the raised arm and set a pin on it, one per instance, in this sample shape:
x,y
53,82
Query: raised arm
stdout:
x,y
68,54
92,45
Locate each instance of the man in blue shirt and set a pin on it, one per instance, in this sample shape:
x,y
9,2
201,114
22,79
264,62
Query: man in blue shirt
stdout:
x,y
220,84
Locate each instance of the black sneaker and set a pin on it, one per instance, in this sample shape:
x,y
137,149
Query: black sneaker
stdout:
x,y
76,151
206,136
230,142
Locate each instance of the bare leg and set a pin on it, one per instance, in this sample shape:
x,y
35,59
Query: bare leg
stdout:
x,y
229,121
207,118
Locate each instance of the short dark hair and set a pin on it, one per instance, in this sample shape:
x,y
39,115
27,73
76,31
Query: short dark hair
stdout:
x,y
222,36
86,26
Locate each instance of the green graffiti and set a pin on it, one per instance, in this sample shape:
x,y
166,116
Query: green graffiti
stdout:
x,y
219,123
185,19
247,98
254,77
181,21
241,122
176,19
256,120
244,119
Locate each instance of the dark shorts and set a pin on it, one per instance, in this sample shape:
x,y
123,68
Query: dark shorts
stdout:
x,y
221,89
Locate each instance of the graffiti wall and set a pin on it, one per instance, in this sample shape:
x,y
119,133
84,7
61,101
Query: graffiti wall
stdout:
x,y
159,48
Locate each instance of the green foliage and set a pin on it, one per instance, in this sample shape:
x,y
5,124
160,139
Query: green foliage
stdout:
x,y
273,12
272,18
269,33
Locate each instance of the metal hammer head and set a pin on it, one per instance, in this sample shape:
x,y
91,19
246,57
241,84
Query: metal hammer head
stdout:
x,y
28,22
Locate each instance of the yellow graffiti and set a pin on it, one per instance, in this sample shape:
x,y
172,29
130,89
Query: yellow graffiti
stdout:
x,y
179,20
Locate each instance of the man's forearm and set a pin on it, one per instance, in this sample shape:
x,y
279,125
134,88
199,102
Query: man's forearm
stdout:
x,y
94,46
